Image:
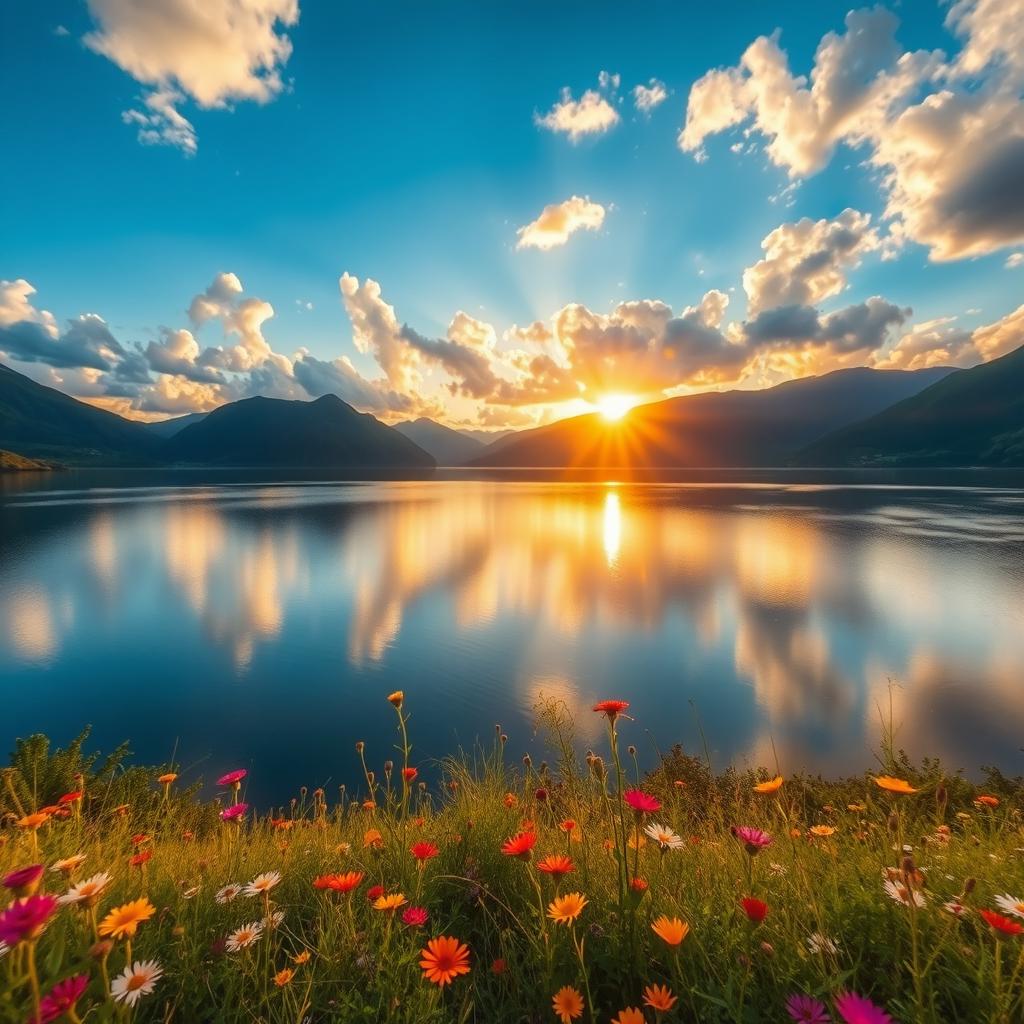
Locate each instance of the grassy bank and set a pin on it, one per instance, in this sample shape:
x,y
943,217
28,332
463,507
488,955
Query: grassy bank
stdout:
x,y
578,889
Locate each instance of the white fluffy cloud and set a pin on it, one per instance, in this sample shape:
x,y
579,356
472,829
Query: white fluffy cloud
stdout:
x,y
647,97
591,114
559,221
216,52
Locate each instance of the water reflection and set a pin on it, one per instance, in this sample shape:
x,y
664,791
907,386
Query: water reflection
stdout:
x,y
780,613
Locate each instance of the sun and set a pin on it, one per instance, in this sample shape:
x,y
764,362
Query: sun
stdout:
x,y
614,407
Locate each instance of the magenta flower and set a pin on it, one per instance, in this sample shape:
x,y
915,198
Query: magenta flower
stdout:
x,y
807,1010
415,917
24,881
641,802
234,813
855,1009
62,997
25,919
752,838
232,778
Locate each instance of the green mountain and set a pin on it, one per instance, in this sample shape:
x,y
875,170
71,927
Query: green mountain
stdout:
x,y
448,447
273,432
715,429
972,417
39,422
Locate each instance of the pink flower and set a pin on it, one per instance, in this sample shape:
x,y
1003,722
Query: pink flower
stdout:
x,y
232,778
641,802
234,812
24,881
25,919
807,1010
415,917
62,997
752,838
855,1009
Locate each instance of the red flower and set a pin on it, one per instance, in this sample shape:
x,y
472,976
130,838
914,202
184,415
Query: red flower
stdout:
x,y
520,845
339,883
138,859
1001,924
232,778
424,851
754,909
498,967
409,774
70,798
415,917
374,891
641,802
541,794
639,885
611,708
557,865
140,839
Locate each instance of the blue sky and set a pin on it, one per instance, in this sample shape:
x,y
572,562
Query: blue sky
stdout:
x,y
403,146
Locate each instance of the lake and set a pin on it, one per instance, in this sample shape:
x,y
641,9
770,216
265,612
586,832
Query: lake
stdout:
x,y
239,620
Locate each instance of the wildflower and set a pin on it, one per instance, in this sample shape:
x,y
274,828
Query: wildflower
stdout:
x,y
24,920
954,907
987,801
893,785
639,885
396,698
568,826
69,865
424,851
670,929
556,865
567,1003
274,919
136,860
339,883
777,869
228,892
242,938
755,909
24,881
392,901
818,943
444,959
659,998
33,821
822,831
415,917
234,813
511,800
565,909
641,802
88,892
807,1010
664,836
136,981
611,708
61,999
190,893
998,923
262,884
374,892
520,845
498,966
167,778
302,958
409,774
283,977
372,838
771,786
902,894
70,798
753,839
630,1015
232,778
123,921
856,1009
1011,904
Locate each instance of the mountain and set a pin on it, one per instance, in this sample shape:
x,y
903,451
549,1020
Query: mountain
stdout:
x,y
168,428
274,432
487,436
12,462
972,417
732,428
448,447
39,422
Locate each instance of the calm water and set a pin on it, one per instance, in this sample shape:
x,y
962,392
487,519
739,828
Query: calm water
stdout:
x,y
261,624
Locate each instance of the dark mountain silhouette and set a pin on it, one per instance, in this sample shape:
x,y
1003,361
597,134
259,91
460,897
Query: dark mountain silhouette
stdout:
x,y
39,422
732,428
12,462
448,447
972,417
273,432
168,428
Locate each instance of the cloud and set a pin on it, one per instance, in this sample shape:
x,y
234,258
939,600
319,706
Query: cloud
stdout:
x,y
1014,260
217,53
558,221
15,306
86,342
591,114
647,97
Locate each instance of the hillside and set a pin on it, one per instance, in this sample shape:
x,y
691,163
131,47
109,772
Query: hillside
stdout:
x,y
972,417
732,428
40,422
448,447
12,462
168,428
273,432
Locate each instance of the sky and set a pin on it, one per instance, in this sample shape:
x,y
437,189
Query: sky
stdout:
x,y
499,214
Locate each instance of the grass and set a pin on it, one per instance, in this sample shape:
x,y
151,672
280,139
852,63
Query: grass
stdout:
x,y
830,927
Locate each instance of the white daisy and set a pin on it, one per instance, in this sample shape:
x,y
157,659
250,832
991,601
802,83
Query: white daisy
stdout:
x,y
1011,904
777,869
242,938
818,943
228,892
955,907
274,920
135,981
262,884
664,836
190,892
87,892
901,894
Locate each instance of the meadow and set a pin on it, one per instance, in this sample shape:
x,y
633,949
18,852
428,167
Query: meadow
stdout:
x,y
495,888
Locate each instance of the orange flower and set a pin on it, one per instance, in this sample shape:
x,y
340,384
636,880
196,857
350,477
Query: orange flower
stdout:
x,y
567,826
423,851
122,922
893,785
630,1015
283,977
444,959
396,698
70,798
557,865
670,929
520,845
565,909
138,859
639,885
987,801
167,778
822,830
771,786
32,820
567,1004
372,838
660,998
339,883
511,800
392,901
301,958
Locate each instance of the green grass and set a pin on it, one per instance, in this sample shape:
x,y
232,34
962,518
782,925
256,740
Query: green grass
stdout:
x,y
921,965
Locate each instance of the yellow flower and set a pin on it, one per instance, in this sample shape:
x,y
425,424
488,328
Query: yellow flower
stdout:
x,y
660,998
822,830
568,1004
283,977
391,901
771,786
892,785
565,909
630,1015
396,698
122,922
670,929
